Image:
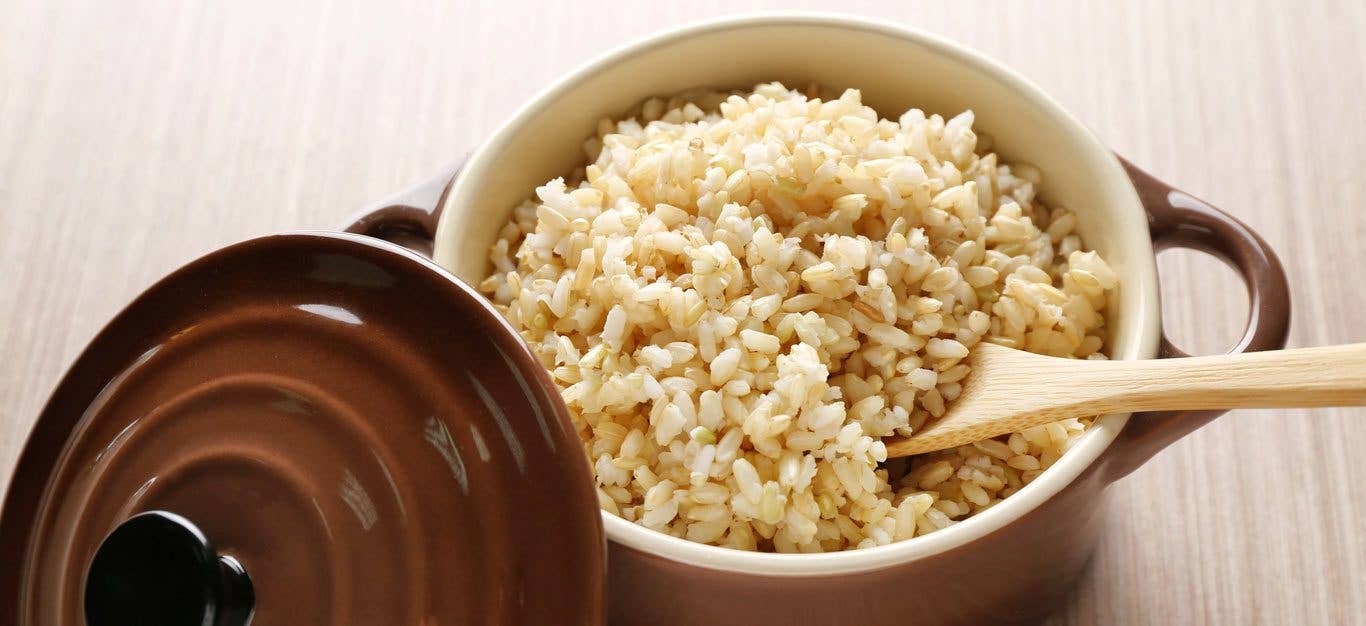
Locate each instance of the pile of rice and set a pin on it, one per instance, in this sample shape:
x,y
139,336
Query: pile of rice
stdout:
x,y
744,292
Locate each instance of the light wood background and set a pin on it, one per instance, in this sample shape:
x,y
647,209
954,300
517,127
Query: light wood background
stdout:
x,y
135,136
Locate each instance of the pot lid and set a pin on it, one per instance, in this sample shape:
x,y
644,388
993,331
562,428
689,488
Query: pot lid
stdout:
x,y
317,428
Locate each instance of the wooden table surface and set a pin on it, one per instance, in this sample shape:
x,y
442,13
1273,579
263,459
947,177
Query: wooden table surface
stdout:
x,y
135,136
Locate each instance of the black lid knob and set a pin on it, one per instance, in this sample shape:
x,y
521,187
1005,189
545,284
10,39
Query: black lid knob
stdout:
x,y
157,568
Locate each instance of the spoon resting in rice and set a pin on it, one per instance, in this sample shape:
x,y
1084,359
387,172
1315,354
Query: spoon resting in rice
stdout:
x,y
1011,390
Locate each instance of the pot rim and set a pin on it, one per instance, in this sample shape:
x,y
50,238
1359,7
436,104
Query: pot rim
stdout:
x,y
1067,469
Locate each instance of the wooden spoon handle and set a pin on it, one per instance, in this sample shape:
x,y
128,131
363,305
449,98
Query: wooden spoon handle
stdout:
x,y
1302,377
1009,390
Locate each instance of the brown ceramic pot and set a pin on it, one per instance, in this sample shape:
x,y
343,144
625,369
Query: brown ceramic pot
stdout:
x,y
1010,564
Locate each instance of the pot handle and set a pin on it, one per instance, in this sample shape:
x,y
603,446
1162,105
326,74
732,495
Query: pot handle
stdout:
x,y
1178,220
410,217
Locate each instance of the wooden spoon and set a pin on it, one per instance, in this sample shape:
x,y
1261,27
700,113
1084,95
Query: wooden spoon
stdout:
x,y
1010,390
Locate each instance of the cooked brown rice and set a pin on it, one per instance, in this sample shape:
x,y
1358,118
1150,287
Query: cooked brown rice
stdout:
x,y
744,292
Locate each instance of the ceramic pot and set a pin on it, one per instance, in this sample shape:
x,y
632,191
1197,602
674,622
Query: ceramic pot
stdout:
x,y
1010,564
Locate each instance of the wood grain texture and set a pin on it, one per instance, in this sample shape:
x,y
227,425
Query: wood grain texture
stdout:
x,y
135,136
1010,390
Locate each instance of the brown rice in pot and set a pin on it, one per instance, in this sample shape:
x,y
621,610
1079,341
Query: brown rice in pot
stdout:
x,y
745,292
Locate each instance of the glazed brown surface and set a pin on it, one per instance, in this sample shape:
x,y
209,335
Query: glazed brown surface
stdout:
x,y
343,419
1177,219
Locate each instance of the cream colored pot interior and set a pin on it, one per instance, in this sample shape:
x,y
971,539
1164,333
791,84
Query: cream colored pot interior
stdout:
x,y
896,69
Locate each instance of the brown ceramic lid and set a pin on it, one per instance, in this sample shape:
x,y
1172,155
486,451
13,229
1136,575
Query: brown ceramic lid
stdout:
x,y
356,428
